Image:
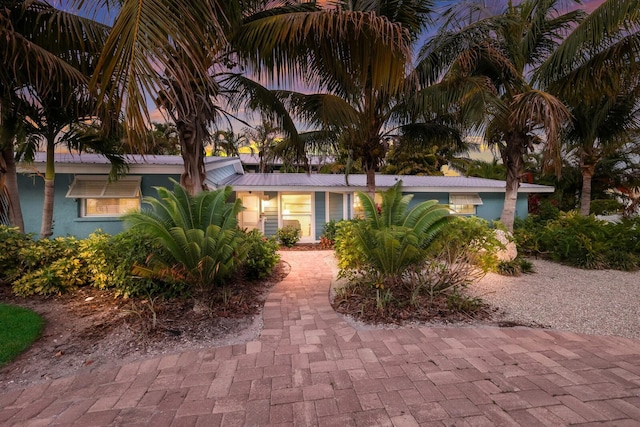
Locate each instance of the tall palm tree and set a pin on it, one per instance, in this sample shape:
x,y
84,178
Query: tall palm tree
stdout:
x,y
596,72
504,49
47,48
356,54
178,53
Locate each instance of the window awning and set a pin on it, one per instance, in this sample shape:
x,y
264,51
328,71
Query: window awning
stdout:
x,y
465,199
99,187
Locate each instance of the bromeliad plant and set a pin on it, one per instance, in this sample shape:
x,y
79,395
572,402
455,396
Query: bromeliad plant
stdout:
x,y
392,240
199,234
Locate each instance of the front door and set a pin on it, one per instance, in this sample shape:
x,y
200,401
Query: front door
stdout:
x,y
250,217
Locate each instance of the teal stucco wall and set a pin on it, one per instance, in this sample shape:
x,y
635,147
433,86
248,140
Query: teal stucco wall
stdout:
x,y
66,212
490,209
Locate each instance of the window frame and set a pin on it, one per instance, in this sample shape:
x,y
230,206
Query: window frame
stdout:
x,y
465,203
128,187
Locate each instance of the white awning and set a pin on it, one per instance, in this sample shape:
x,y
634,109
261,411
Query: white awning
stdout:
x,y
465,199
99,187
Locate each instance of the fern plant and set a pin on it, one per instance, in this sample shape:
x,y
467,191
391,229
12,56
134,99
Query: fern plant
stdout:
x,y
199,234
393,238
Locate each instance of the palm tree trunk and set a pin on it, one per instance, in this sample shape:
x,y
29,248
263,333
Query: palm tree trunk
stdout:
x,y
585,196
11,184
46,229
508,215
192,179
512,159
371,181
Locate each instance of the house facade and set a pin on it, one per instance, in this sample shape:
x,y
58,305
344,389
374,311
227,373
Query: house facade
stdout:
x,y
86,200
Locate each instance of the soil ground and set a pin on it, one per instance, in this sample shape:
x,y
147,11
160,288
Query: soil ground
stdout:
x,y
92,327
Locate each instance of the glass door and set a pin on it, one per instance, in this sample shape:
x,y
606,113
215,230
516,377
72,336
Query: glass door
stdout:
x,y
250,217
297,211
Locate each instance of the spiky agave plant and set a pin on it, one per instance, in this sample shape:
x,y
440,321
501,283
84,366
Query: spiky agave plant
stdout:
x,y
199,234
392,239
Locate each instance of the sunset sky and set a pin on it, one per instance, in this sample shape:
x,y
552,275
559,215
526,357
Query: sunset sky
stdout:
x,y
588,5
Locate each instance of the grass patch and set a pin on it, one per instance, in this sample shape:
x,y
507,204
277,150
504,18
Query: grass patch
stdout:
x,y
19,327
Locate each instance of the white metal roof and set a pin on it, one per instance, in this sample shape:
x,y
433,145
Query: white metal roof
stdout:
x,y
327,182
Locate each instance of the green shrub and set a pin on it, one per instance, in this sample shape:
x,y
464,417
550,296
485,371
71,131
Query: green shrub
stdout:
x,y
262,255
584,242
288,235
393,239
515,267
202,245
111,259
348,255
606,207
11,242
471,235
328,237
51,266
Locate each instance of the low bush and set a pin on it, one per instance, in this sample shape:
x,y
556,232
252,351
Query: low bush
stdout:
x,y
288,235
50,266
328,237
11,242
606,207
262,255
111,259
583,241
515,267
471,235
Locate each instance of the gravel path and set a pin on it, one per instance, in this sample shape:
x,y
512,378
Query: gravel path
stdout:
x,y
602,302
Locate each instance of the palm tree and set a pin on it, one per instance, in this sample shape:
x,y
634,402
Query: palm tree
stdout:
x,y
48,50
263,137
59,119
595,71
227,142
356,54
503,49
179,54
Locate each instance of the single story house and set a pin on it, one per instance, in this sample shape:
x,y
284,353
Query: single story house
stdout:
x,y
85,199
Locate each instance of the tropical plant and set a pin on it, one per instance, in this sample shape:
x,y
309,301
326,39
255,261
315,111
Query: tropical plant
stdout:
x,y
228,143
356,58
202,245
12,241
499,51
179,53
50,50
393,239
288,235
469,235
583,241
50,267
595,72
262,255
263,138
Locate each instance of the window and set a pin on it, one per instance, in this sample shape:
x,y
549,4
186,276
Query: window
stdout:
x,y
358,210
296,212
464,204
103,198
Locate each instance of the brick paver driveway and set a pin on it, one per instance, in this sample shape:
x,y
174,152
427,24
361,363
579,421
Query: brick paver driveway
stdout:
x,y
309,367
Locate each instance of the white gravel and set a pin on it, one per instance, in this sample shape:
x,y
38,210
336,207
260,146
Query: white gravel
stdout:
x,y
601,302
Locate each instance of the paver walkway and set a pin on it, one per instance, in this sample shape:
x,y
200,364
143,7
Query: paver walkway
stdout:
x,y
310,368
